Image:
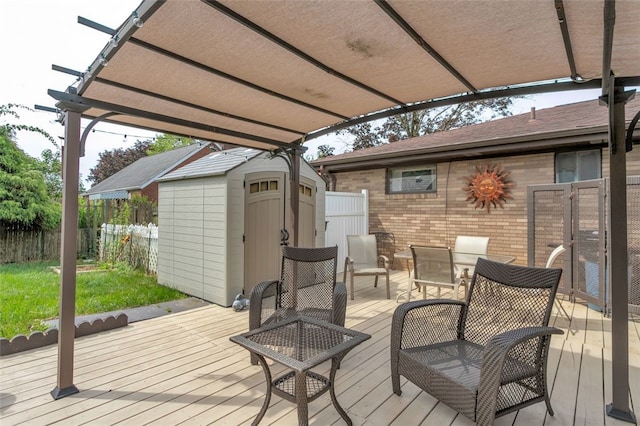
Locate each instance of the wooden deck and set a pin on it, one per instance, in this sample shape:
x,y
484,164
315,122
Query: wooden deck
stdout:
x,y
182,369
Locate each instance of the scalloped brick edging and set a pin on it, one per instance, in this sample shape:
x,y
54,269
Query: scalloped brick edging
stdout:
x,y
38,339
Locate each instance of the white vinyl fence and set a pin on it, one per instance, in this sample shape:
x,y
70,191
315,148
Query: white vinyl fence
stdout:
x,y
135,244
346,213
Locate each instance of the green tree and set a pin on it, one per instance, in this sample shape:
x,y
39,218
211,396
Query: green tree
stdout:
x,y
325,151
24,199
11,128
424,122
111,162
50,164
364,136
166,142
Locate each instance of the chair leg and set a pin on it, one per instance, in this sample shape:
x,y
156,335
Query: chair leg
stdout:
x,y
562,309
375,282
548,402
388,289
395,381
351,284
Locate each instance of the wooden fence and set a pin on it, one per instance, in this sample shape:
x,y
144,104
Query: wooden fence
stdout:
x,y
21,245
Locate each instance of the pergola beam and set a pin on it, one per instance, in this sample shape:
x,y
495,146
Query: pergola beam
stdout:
x,y
399,20
488,94
292,49
564,29
194,106
74,99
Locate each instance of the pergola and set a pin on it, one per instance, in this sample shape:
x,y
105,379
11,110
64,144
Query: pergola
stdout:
x,y
273,74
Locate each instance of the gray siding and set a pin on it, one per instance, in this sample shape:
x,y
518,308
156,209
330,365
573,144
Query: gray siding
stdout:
x,y
215,240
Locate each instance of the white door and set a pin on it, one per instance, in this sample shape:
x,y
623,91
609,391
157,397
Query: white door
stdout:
x,y
264,222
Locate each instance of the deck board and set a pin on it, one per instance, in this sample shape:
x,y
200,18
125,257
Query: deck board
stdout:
x,y
182,369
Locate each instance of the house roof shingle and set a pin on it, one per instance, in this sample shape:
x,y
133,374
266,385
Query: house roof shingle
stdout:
x,y
217,163
568,123
144,171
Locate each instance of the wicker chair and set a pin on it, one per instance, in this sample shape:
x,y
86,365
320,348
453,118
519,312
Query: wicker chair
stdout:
x,y
485,357
307,287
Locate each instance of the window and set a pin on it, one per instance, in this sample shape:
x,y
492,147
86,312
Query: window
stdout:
x,y
263,186
578,165
411,179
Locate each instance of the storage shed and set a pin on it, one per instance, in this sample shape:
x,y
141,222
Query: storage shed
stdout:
x,y
222,220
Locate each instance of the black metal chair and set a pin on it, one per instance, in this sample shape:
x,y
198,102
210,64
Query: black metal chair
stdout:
x,y
484,357
307,287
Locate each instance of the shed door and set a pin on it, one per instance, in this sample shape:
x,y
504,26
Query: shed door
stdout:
x,y
264,220
307,213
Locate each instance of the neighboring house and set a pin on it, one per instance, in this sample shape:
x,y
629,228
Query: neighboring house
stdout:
x,y
417,186
140,177
223,218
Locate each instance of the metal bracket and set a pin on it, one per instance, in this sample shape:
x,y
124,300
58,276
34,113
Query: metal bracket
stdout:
x,y
287,155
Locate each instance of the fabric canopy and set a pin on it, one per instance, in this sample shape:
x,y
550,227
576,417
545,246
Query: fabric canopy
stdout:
x,y
266,74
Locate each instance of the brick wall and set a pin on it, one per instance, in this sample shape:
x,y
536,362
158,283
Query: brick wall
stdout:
x,y
437,218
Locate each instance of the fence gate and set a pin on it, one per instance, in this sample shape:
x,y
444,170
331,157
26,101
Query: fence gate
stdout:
x,y
633,241
574,214
589,238
549,219
346,213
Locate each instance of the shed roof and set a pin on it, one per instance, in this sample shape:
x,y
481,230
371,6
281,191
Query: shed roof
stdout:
x,y
141,173
550,128
217,163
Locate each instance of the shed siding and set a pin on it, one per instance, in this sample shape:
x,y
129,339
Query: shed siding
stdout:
x,y
215,239
187,236
235,231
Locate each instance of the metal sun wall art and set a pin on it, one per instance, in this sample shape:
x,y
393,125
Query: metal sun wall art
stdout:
x,y
489,186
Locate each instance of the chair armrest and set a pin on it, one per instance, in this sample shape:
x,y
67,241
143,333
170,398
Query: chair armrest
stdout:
x,y
385,259
424,322
348,263
339,303
464,273
495,355
257,312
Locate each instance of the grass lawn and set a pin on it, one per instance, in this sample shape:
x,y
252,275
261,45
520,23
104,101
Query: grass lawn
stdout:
x,y
29,294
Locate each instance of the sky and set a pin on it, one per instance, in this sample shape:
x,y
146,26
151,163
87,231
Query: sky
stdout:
x,y
41,33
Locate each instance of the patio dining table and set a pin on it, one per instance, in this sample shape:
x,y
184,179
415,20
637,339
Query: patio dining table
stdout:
x,y
462,260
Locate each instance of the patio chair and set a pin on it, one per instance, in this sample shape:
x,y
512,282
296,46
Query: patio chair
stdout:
x,y
362,260
466,252
433,266
307,287
484,357
552,258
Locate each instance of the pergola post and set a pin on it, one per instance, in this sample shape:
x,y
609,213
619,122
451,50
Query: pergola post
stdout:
x,y
617,256
296,155
68,253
